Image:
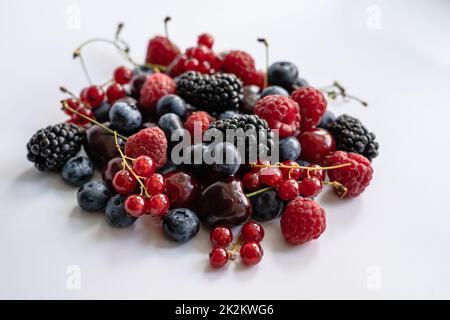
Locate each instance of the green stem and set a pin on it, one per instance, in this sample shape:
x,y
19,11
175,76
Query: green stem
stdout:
x,y
255,193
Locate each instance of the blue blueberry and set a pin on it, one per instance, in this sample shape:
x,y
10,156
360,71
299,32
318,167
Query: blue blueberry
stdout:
x,y
77,171
116,214
289,149
227,159
326,120
283,74
125,116
228,114
93,196
181,224
101,113
143,70
274,90
266,206
171,103
300,82
194,157
170,122
303,163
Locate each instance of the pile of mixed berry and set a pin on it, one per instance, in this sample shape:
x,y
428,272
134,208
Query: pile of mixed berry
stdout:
x,y
126,127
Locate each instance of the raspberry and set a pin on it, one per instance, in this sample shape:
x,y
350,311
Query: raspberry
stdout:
x,y
199,116
149,142
312,106
161,51
303,220
355,177
156,86
281,113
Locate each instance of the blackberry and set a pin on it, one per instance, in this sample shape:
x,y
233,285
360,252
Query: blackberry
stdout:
x,y
213,93
257,133
352,136
49,148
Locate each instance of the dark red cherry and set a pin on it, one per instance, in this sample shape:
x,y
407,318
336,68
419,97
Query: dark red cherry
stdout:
x,y
316,145
183,189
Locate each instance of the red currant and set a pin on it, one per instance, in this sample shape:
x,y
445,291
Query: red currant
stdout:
x,y
251,253
251,181
135,205
93,95
310,187
115,92
155,184
144,166
123,182
288,189
316,145
205,39
123,75
221,237
252,232
318,174
291,173
271,176
218,257
158,205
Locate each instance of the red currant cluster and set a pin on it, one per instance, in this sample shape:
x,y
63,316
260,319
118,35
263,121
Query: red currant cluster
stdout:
x,y
251,253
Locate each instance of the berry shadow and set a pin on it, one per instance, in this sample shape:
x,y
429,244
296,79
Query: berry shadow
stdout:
x,y
83,220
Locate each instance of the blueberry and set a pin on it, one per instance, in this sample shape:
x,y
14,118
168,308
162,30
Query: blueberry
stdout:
x,y
230,160
289,149
77,171
125,117
171,103
283,74
170,122
266,206
115,213
93,196
228,114
303,163
101,113
326,120
300,82
181,224
143,70
251,95
194,157
274,90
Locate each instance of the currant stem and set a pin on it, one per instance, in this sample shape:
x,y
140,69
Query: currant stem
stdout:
x,y
266,45
255,193
279,165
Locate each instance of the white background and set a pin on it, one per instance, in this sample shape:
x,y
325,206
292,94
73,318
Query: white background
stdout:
x,y
399,229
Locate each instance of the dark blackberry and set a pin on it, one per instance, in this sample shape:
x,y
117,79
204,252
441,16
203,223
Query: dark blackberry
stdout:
x,y
352,136
257,133
213,93
49,148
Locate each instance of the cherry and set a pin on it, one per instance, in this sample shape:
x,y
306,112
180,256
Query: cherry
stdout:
x,y
158,205
316,145
123,75
109,171
319,174
191,64
123,182
205,39
221,237
92,95
271,176
310,187
251,253
73,103
144,166
155,184
183,189
135,205
288,173
251,181
114,92
218,257
252,232
288,189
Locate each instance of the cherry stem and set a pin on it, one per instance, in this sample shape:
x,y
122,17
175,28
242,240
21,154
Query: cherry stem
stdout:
x,y
255,193
119,39
166,29
234,248
266,45
280,165
339,187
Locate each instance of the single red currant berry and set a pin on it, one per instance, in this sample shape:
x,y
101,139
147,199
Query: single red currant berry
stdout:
x,y
251,181
291,173
155,184
271,176
93,95
123,182
205,39
218,257
310,187
251,253
252,232
144,166
221,237
288,189
158,205
115,92
135,205
123,75
318,174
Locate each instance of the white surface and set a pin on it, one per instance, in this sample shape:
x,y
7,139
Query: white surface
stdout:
x,y
400,225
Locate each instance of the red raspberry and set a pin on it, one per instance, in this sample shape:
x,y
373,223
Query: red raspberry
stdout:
x,y
161,51
303,220
355,177
205,39
150,142
281,113
312,105
201,117
156,86
239,63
